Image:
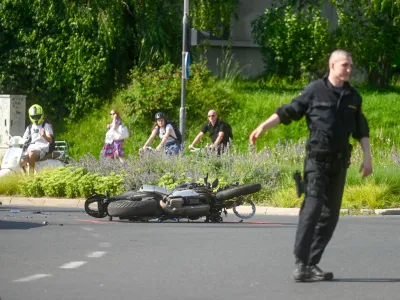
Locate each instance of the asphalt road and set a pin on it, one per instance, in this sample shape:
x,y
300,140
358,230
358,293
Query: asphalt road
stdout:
x,y
79,257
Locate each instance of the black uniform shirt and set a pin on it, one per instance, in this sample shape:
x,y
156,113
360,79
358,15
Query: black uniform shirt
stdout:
x,y
214,130
332,115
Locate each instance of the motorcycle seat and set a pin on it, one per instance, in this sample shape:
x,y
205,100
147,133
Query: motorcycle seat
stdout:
x,y
155,189
52,155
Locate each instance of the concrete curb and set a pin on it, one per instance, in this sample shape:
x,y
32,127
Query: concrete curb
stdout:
x,y
260,210
51,202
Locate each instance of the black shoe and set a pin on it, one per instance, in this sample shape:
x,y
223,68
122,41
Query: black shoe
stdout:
x,y
316,274
300,274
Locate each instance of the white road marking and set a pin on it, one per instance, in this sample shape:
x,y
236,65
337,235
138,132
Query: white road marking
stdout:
x,y
73,265
105,245
96,254
96,235
87,228
31,278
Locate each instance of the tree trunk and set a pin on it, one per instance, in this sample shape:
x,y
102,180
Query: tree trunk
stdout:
x,y
380,76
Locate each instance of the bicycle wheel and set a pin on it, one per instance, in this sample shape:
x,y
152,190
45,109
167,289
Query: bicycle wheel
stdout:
x,y
244,208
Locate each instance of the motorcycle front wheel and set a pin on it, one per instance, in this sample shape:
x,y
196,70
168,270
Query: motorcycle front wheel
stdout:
x,y
244,208
93,206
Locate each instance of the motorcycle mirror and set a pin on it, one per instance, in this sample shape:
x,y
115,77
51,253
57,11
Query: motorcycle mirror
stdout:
x,y
215,183
206,179
107,195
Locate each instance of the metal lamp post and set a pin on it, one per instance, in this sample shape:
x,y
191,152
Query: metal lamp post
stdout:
x,y
185,66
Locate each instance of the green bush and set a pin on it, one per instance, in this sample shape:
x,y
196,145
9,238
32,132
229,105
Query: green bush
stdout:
x,y
111,183
10,185
32,187
152,90
159,89
86,184
273,168
71,182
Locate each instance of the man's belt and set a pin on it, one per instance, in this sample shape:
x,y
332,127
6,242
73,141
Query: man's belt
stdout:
x,y
325,156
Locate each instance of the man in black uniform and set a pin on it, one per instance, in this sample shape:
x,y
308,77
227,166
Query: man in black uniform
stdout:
x,y
333,111
219,132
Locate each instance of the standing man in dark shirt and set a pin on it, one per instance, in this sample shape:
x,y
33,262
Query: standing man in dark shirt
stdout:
x,y
218,129
333,110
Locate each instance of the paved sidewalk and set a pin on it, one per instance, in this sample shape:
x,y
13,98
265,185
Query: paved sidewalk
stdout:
x,y
260,210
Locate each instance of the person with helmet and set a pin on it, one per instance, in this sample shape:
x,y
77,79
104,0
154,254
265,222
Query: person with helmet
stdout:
x,y
39,134
169,138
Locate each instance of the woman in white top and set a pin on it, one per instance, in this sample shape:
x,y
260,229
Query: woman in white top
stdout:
x,y
169,141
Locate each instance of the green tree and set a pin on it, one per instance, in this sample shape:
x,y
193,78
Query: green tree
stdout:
x,y
71,55
370,30
294,41
213,15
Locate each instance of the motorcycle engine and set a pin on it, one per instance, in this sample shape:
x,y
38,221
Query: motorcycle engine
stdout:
x,y
183,197
179,202
186,203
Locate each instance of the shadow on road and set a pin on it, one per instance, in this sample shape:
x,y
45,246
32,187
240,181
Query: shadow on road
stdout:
x,y
367,280
18,225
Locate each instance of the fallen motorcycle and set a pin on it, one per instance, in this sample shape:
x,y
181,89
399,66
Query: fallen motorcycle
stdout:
x,y
188,200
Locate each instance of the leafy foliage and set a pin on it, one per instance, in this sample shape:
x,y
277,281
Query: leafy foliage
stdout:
x,y
69,182
376,45
152,89
9,185
213,15
159,89
61,53
71,55
273,168
293,41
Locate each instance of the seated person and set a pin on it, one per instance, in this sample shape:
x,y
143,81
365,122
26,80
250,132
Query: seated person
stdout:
x,y
39,135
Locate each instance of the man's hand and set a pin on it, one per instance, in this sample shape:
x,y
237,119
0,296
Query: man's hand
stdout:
x,y
159,147
255,135
191,147
366,167
272,121
42,132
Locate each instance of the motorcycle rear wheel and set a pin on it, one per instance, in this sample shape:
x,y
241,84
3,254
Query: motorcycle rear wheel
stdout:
x,y
239,190
128,208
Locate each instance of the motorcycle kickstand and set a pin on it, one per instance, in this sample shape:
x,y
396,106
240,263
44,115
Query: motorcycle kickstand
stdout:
x,y
110,218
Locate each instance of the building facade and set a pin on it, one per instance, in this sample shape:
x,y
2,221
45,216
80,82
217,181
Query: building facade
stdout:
x,y
242,46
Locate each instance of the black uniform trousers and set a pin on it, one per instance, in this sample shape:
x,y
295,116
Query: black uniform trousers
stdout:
x,y
324,181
